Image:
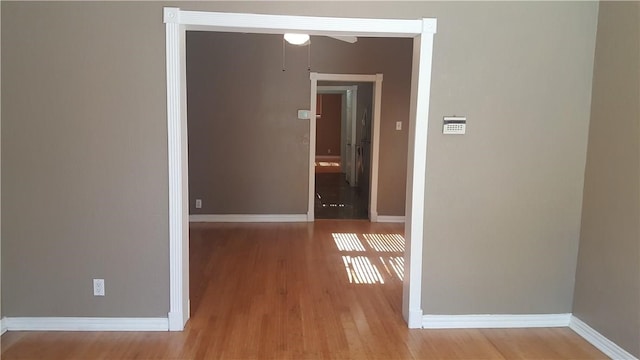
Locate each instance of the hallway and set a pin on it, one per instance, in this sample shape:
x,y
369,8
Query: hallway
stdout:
x,y
335,199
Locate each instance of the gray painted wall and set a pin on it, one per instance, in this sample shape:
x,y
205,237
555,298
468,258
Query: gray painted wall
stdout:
x,y
84,153
503,202
248,152
607,291
84,160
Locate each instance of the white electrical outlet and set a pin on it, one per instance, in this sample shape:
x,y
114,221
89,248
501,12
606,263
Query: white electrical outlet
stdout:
x,y
398,125
98,287
198,203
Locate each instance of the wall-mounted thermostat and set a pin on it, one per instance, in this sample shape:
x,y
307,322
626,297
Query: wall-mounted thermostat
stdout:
x,y
454,125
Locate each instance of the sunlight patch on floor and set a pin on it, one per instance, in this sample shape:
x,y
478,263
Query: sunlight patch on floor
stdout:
x,y
347,242
385,242
361,271
327,163
365,269
397,264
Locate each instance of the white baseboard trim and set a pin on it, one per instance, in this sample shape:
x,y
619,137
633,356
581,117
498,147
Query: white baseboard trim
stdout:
x,y
494,321
596,339
415,319
84,324
3,326
177,321
261,218
390,219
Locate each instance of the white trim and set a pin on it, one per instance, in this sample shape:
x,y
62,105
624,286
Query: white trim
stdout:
x,y
178,172
414,318
598,340
338,89
375,149
248,218
347,77
312,25
178,21
494,321
313,108
85,324
3,326
416,175
390,219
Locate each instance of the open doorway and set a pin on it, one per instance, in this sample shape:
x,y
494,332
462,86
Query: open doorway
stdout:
x,y
343,150
178,22
353,192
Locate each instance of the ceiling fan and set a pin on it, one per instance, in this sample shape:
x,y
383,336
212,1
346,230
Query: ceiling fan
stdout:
x,y
304,39
298,39
349,39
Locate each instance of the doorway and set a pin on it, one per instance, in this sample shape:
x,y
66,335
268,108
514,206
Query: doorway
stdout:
x,y
178,21
343,150
355,197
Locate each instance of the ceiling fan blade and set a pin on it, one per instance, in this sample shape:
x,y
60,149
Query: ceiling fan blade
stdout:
x,y
349,39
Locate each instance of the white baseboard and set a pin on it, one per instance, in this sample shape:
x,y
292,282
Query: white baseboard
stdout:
x,y
596,339
415,319
390,219
84,324
494,321
177,321
256,218
3,326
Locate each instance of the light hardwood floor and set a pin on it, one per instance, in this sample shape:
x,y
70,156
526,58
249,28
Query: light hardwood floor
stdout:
x,y
291,291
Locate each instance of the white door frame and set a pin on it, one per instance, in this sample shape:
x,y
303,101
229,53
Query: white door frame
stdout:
x,y
376,80
177,22
349,106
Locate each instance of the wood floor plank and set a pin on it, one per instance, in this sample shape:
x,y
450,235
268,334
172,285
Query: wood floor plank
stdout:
x,y
291,291
522,343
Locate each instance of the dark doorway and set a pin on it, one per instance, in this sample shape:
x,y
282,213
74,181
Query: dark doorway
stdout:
x,y
341,193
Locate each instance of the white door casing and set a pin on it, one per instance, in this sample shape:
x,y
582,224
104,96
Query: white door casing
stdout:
x,y
376,81
177,22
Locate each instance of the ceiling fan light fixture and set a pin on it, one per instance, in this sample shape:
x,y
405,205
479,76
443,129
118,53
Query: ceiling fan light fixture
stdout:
x,y
297,39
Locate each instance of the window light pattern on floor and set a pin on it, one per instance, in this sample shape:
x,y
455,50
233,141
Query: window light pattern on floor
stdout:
x,y
347,242
363,261
361,271
327,163
385,242
397,264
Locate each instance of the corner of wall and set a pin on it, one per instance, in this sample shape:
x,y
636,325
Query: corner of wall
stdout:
x,y
609,229
598,340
